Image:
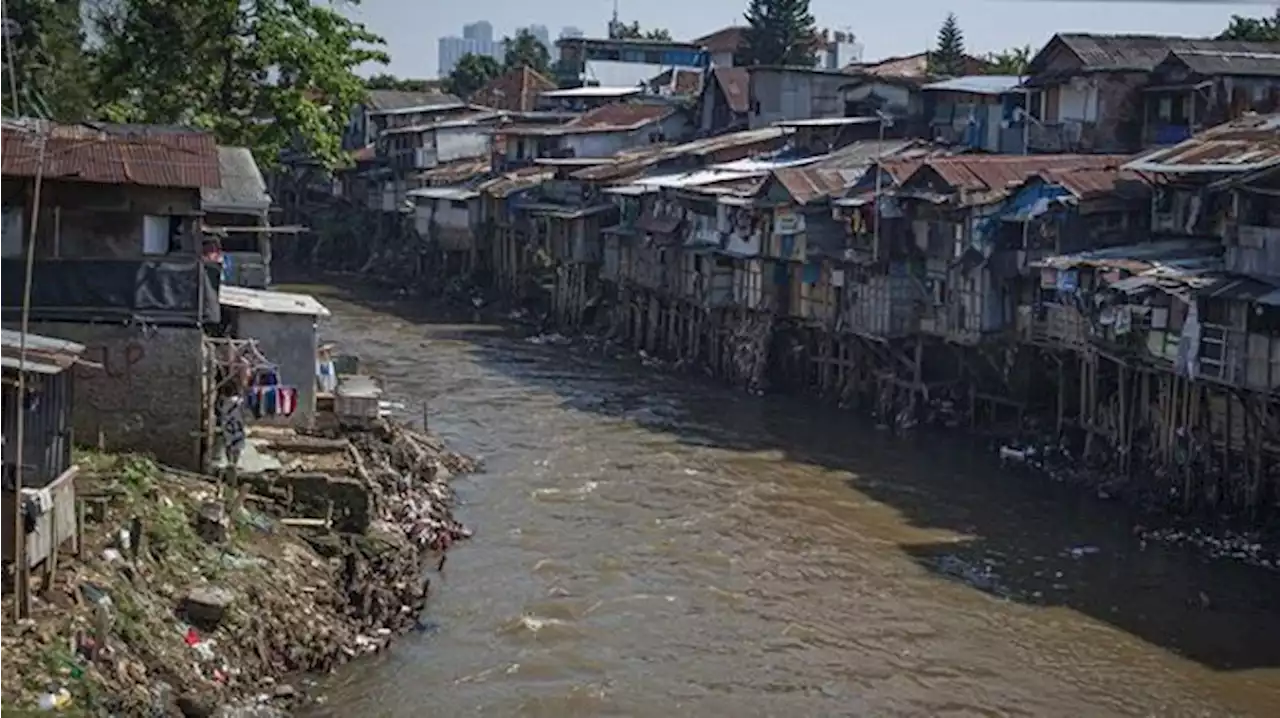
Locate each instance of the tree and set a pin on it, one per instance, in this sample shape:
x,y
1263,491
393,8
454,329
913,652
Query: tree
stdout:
x,y
949,57
1254,29
526,51
623,31
269,75
779,32
50,67
1013,61
472,73
383,81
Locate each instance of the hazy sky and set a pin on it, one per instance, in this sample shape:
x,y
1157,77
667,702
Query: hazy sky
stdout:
x,y
884,27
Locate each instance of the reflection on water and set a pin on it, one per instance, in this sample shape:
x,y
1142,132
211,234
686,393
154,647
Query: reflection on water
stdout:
x,y
649,546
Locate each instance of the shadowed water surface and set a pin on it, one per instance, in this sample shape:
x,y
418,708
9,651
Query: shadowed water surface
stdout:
x,y
653,546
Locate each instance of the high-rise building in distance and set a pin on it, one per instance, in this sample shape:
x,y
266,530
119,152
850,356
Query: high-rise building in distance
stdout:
x,y
477,39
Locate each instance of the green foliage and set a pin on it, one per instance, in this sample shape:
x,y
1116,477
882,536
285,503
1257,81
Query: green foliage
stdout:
x,y
1254,29
525,50
383,81
270,75
779,32
50,68
1013,61
623,31
472,73
948,58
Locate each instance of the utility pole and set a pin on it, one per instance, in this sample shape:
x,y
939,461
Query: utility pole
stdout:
x,y
22,602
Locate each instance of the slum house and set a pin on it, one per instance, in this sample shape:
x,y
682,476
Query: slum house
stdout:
x,y
117,268
42,396
724,103
1195,89
827,293
627,261
777,93
273,338
898,101
1085,93
954,207
447,220
409,150
564,214
383,109
514,90
236,227
600,133
979,112
513,256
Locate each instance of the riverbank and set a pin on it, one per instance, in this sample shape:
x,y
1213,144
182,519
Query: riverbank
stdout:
x,y
190,598
1026,449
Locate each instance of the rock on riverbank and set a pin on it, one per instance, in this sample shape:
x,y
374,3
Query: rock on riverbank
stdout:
x,y
189,597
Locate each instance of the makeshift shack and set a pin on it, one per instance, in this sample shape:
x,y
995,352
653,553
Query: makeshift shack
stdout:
x,y
283,327
47,475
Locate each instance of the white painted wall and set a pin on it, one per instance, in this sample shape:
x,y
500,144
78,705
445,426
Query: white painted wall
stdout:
x,y
451,217
455,143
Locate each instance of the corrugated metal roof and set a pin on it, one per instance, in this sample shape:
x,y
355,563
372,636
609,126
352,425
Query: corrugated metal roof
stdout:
x,y
391,101
735,83
1173,258
998,173
1248,144
243,188
455,193
1227,62
692,179
516,181
588,91
43,355
620,116
806,184
262,300
148,155
455,172
978,84
1089,182
1136,53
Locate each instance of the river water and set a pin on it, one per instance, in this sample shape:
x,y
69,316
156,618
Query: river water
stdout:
x,y
650,545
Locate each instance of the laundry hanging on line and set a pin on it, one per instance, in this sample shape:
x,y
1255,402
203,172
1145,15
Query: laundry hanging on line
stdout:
x,y
272,400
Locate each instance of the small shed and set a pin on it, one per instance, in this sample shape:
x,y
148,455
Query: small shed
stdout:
x,y
284,326
47,476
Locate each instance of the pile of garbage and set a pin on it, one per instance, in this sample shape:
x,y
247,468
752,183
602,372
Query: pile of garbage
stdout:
x,y
409,472
187,599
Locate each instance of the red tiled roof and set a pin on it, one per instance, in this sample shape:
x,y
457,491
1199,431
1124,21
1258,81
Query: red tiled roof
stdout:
x,y
735,83
619,116
516,90
728,39
148,155
983,173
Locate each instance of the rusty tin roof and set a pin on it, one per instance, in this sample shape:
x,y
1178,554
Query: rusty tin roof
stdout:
x,y
149,155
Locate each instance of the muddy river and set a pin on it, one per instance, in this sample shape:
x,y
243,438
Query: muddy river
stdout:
x,y
648,545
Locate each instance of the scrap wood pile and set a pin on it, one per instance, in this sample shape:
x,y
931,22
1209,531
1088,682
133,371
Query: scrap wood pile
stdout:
x,y
408,472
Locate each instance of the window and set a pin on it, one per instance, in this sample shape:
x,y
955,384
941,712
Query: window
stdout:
x,y
155,234
458,203
12,233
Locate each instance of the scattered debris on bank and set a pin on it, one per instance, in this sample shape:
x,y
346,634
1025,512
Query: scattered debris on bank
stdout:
x,y
188,597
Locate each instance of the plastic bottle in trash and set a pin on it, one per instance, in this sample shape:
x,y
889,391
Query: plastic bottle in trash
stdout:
x,y
56,700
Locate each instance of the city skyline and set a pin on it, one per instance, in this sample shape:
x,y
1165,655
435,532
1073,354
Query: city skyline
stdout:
x,y
886,30
477,38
